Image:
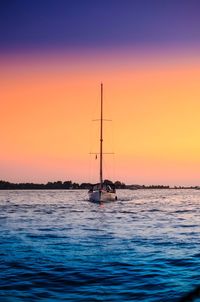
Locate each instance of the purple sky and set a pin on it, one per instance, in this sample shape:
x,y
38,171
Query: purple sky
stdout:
x,y
92,24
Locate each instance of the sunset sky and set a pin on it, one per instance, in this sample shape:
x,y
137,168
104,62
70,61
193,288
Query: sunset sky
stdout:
x,y
53,57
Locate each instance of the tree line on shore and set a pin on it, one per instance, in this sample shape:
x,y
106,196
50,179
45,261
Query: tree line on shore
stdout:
x,y
69,185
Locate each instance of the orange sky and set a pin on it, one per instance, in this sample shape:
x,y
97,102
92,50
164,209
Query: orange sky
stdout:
x,y
47,104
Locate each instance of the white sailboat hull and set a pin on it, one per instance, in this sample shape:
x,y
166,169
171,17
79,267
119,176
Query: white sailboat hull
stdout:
x,y
102,196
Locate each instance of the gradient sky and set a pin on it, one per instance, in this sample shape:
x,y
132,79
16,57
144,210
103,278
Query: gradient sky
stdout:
x,y
53,56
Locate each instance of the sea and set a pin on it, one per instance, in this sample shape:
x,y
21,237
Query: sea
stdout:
x,y
55,245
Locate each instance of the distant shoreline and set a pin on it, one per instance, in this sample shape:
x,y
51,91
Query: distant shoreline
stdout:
x,y
69,185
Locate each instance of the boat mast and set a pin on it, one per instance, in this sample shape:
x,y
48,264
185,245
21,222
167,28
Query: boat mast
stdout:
x,y
101,139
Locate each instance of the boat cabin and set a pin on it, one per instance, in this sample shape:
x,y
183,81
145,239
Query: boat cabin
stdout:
x,y
108,188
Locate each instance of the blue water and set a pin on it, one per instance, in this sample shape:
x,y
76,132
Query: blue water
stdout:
x,y
57,246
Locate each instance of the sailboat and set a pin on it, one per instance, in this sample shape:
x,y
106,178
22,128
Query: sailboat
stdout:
x,y
102,192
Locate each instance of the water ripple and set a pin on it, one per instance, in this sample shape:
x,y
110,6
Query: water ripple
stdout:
x,y
56,246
